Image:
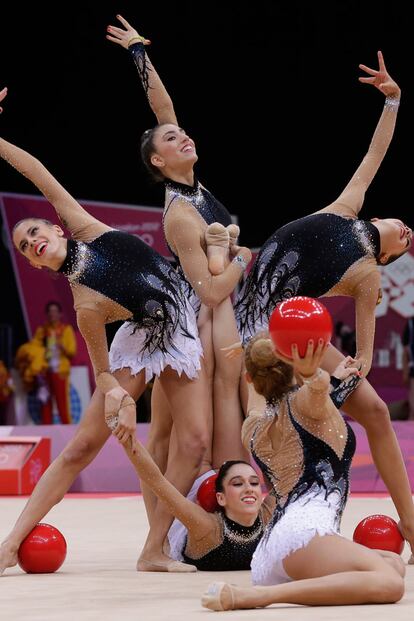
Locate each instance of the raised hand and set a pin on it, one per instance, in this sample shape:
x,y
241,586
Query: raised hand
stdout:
x,y
125,36
3,94
380,78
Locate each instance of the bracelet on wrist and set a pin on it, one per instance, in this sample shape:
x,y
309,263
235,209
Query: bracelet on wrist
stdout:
x,y
136,39
112,418
392,102
126,401
312,378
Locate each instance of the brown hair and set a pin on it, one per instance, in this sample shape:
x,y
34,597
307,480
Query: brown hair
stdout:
x,y
392,258
271,377
147,151
224,468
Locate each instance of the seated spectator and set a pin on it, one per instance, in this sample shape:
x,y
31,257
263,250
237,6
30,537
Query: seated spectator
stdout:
x,y
44,364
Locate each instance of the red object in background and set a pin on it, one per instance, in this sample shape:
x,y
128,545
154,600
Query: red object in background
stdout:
x,y
43,550
206,495
379,532
23,460
297,320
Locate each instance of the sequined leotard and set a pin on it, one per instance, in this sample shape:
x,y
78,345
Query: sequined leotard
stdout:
x,y
235,548
126,270
309,256
229,546
206,205
208,208
309,478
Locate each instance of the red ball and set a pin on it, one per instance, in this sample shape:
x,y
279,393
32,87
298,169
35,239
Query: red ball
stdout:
x,y
379,532
43,550
295,321
206,494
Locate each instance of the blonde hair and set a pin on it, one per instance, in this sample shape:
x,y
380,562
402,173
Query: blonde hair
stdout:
x,y
271,377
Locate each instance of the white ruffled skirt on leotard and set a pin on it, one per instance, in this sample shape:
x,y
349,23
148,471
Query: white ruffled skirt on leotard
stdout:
x,y
303,519
182,354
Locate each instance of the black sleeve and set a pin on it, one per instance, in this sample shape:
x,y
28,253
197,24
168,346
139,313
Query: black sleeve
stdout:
x,y
340,390
140,58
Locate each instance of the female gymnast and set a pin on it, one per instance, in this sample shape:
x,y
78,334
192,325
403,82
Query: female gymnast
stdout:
x,y
304,448
114,275
330,253
226,539
170,155
198,231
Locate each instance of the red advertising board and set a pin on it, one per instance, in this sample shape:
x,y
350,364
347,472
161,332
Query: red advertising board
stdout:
x,y
23,460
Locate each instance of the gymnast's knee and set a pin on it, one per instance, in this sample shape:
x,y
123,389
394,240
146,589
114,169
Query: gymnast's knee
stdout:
x,y
376,417
193,445
79,452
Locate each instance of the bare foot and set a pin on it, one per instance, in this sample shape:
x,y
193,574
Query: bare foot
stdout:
x,y
217,240
164,564
8,556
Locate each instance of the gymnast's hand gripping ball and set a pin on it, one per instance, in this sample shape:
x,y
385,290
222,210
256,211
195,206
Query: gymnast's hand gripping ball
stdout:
x,y
295,321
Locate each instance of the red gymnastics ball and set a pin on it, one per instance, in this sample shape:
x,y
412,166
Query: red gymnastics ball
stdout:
x,y
295,321
43,550
206,494
379,532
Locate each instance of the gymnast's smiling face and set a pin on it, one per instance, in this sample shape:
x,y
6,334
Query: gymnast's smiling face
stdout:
x,y
242,496
174,150
41,242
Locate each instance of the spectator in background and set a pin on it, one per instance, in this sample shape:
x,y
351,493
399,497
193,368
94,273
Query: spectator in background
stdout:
x,y
59,342
31,364
408,364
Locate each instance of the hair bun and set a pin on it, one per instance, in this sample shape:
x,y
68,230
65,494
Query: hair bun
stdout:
x,y
262,353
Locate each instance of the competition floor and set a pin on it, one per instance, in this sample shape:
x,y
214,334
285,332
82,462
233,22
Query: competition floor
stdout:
x,y
98,579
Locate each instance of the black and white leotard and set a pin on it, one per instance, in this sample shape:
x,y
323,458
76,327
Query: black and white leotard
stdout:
x,y
308,256
208,208
162,329
309,478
